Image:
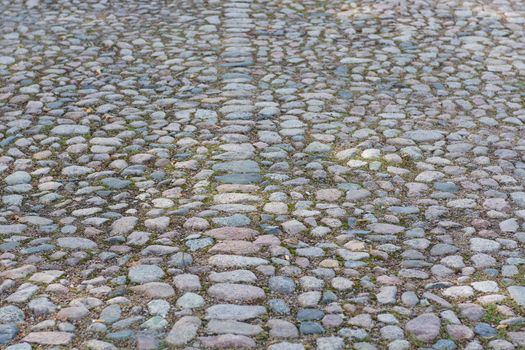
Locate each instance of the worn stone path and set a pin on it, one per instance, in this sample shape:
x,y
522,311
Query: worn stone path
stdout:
x,y
268,174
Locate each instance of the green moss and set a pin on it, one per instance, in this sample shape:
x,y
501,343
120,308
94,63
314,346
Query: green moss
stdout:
x,y
492,315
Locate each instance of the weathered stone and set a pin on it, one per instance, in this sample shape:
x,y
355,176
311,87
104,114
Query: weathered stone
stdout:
x,y
425,327
49,338
183,331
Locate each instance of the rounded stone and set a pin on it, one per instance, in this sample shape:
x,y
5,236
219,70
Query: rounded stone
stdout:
x,y
190,301
145,273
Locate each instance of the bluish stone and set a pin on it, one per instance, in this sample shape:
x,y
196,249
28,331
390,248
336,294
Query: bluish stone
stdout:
x,y
19,346
245,63
491,272
310,252
121,335
274,230
404,210
158,175
196,244
116,183
235,220
17,178
280,284
104,193
155,323
10,139
346,94
444,344
11,314
97,327
351,264
180,259
134,170
111,313
329,297
142,274
358,333
239,178
348,186
7,332
310,314
446,186
9,246
311,328
38,249
359,232
133,148
238,166
341,71
485,330
279,306
47,228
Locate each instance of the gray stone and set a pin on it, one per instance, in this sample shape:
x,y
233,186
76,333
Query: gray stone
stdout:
x,y
183,331
145,273
70,129
517,293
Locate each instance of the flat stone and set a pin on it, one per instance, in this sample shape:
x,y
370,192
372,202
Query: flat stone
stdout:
x,y
483,245
236,292
517,293
280,284
235,312
227,341
145,273
282,329
425,327
70,129
226,261
232,327
286,346
12,229
7,60
187,282
183,331
76,243
49,338
190,301
11,314
95,344
154,290
386,229
17,178
235,276
235,247
238,166
73,313
460,332
8,332
232,233
424,135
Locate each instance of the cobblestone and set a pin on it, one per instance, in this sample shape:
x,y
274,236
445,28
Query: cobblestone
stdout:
x,y
274,174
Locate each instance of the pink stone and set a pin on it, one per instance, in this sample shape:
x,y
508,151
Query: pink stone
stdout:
x,y
460,332
232,233
267,240
425,327
49,338
227,341
235,247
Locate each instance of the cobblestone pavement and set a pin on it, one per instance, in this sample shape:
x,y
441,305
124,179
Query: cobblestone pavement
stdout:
x,y
269,174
